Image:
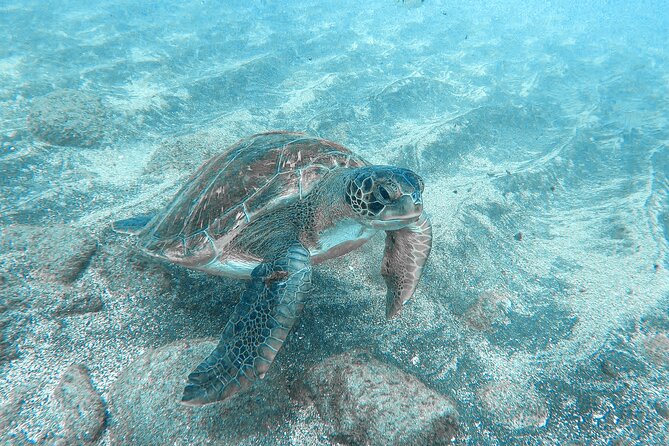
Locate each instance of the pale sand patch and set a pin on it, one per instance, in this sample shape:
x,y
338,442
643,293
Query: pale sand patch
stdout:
x,y
11,66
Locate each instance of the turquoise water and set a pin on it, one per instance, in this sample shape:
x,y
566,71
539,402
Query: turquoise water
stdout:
x,y
541,132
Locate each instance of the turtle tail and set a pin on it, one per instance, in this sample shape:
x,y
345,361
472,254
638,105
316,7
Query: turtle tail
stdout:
x,y
133,225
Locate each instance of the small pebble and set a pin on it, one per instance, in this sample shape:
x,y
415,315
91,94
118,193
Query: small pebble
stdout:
x,y
662,408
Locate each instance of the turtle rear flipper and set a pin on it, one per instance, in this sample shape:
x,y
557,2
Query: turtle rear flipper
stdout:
x,y
260,323
407,250
133,225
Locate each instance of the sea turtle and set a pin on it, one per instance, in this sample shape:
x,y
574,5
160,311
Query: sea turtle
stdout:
x,y
266,210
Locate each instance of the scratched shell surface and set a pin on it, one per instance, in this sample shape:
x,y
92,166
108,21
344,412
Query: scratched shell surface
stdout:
x,y
255,175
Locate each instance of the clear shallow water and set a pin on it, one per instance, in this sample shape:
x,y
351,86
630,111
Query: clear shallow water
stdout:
x,y
541,133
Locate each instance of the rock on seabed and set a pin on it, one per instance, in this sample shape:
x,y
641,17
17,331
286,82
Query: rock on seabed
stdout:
x,y
68,118
56,253
145,403
372,403
78,408
514,406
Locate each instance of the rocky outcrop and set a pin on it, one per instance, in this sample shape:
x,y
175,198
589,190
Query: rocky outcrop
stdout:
x,y
368,402
57,253
145,403
77,412
185,153
513,405
68,118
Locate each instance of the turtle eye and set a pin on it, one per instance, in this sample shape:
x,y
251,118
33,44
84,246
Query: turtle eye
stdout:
x,y
383,193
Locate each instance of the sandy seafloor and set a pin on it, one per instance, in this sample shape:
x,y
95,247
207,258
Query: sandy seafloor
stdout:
x,y
542,133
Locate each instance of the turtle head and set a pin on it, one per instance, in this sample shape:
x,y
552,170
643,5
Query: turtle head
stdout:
x,y
385,197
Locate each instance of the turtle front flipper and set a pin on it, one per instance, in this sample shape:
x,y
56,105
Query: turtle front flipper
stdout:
x,y
406,252
268,309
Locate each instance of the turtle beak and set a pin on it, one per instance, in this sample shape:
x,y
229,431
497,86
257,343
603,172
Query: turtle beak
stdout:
x,y
409,207
403,212
417,197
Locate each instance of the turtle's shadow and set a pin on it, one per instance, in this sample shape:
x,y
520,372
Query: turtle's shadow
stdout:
x,y
183,304
203,302
188,305
197,292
